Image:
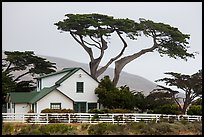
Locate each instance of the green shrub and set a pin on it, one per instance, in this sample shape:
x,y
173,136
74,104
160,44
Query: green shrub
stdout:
x,y
47,110
195,110
58,129
7,129
120,111
95,117
95,110
167,109
30,130
106,129
162,128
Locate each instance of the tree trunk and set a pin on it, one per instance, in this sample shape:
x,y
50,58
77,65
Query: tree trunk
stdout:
x,y
120,64
93,65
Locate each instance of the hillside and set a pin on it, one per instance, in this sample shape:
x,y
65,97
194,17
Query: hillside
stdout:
x,y
135,82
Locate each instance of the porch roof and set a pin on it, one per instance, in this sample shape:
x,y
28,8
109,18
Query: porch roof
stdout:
x,y
30,97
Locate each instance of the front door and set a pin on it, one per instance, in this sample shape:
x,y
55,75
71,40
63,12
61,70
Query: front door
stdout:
x,y
80,107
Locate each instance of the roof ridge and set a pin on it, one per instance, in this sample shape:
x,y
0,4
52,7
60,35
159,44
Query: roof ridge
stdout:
x,y
66,76
58,72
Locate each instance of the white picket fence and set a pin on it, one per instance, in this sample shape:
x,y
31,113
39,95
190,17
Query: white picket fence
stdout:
x,y
45,118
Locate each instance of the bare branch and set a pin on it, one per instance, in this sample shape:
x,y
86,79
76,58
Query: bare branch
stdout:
x,y
95,41
92,44
87,49
102,69
21,76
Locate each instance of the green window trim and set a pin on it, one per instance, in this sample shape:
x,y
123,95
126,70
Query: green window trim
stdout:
x,y
80,87
55,105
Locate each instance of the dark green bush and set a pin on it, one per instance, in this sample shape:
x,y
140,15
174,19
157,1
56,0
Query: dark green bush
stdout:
x,y
106,110
95,110
195,110
47,110
120,111
167,109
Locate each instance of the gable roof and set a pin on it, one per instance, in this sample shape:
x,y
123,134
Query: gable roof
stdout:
x,y
69,71
40,94
58,72
33,96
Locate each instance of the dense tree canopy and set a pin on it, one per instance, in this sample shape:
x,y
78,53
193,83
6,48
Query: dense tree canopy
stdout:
x,y
92,30
26,63
111,97
190,84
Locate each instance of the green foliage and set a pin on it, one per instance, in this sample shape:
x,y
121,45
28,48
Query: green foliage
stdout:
x,y
95,110
18,61
139,101
26,62
112,97
167,109
8,129
106,129
156,100
134,128
190,84
47,110
8,85
195,110
93,27
58,129
197,102
171,41
95,117
106,110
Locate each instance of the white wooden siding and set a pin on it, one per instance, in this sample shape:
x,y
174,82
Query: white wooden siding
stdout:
x,y
22,108
54,97
68,87
50,81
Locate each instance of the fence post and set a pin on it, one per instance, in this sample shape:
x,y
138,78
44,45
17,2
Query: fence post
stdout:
x,y
113,118
90,118
135,118
47,118
156,118
23,118
69,118
178,117
123,118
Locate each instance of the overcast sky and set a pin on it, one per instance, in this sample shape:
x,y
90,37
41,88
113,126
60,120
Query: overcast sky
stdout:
x,y
30,26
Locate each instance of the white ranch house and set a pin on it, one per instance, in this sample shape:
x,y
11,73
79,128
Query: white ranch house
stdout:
x,y
70,88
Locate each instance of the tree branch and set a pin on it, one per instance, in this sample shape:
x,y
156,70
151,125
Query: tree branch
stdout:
x,y
95,41
102,69
87,49
8,67
119,64
92,44
21,76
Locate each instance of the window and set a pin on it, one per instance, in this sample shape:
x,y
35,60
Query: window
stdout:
x,y
92,105
55,105
80,107
8,105
80,87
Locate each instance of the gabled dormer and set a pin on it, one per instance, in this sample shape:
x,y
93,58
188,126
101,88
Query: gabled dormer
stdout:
x,y
54,78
